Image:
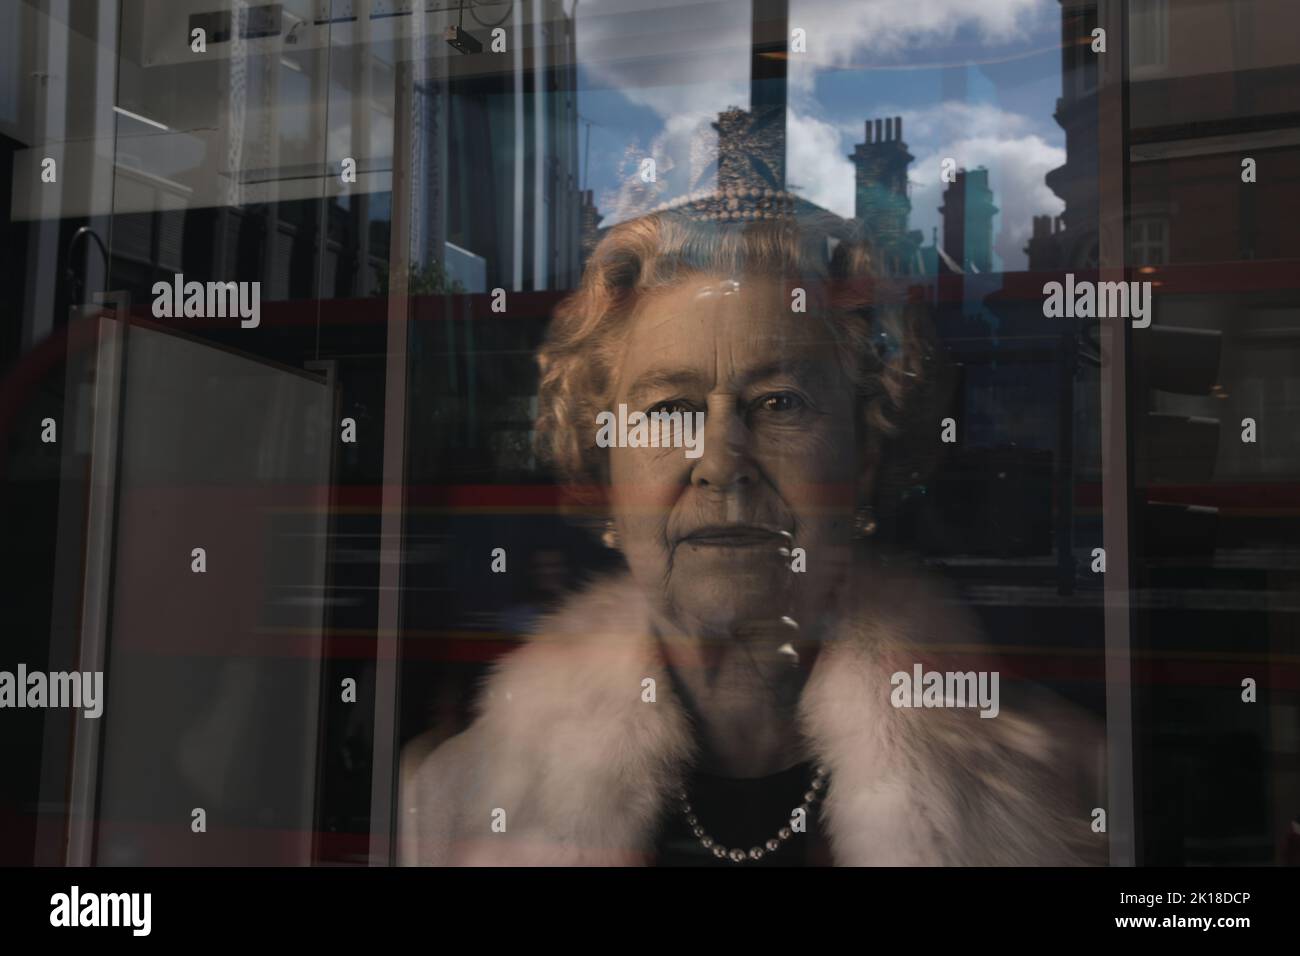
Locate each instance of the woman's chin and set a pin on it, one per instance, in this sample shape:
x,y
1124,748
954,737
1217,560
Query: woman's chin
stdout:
x,y
741,599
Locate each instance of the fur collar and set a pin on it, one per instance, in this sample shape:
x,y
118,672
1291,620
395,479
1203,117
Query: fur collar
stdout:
x,y
583,767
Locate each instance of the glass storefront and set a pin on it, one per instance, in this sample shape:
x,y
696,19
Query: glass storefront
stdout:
x,y
273,432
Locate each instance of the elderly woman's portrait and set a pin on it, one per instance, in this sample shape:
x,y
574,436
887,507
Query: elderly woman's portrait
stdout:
x,y
736,400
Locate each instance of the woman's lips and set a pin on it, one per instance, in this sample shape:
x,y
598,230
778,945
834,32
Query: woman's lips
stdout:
x,y
738,536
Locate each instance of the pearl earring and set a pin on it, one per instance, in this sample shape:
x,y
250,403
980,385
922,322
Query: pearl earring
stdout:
x,y
609,537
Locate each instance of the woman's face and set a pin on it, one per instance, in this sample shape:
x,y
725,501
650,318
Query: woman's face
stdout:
x,y
710,537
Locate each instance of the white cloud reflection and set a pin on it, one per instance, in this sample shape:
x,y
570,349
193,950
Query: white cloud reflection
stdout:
x,y
686,61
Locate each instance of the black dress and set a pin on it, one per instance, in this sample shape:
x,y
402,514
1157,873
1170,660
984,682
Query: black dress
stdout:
x,y
743,814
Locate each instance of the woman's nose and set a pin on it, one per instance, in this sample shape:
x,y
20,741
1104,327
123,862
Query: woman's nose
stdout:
x,y
725,460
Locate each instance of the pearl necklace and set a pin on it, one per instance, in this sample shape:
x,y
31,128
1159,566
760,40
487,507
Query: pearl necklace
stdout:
x,y
816,790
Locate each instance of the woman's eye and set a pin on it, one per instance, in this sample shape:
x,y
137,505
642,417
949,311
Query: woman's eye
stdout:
x,y
670,406
780,402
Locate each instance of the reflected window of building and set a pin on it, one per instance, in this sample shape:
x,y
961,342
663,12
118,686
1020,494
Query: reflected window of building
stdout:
x,y
1148,45
1149,242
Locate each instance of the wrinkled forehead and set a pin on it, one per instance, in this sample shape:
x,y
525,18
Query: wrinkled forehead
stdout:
x,y
725,329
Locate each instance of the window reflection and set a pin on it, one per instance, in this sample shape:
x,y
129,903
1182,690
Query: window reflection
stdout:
x,y
414,215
